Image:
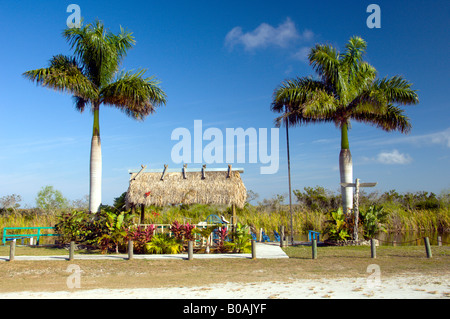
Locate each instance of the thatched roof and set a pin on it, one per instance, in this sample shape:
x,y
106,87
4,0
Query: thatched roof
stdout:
x,y
186,186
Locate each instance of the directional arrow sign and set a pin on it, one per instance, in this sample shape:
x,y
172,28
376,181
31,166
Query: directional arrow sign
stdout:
x,y
360,184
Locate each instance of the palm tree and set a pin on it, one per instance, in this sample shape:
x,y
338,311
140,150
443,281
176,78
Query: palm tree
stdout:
x,y
91,76
347,89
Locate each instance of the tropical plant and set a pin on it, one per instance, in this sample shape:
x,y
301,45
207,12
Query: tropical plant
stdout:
x,y
338,226
222,233
240,239
372,221
116,225
163,244
140,236
92,77
72,226
347,89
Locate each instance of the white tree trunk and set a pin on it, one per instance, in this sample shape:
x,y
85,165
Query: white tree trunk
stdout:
x,y
346,171
95,184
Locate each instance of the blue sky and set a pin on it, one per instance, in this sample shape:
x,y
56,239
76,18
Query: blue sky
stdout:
x,y
219,62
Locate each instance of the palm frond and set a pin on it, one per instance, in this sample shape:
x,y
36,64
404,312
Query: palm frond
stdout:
x,y
80,103
99,50
392,119
133,94
294,92
325,61
65,75
397,90
303,100
355,50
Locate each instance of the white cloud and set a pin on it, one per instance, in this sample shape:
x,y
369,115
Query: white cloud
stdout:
x,y
302,54
307,35
442,138
394,157
266,35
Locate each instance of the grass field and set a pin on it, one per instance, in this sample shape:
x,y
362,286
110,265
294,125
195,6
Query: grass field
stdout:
x,y
332,262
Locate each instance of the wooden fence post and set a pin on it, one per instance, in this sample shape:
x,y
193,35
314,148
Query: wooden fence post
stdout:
x,y
427,247
190,250
282,242
71,250
253,249
373,248
130,250
314,248
12,250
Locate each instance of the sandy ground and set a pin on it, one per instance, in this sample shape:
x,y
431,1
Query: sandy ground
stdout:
x,y
400,287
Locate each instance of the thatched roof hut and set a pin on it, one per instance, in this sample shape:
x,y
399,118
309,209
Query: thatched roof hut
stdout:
x,y
186,186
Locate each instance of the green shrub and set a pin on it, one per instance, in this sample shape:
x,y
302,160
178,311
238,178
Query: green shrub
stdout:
x,y
338,226
372,221
163,244
240,240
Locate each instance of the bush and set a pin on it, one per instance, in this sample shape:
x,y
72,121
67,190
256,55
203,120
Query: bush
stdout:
x,y
372,221
73,226
140,236
240,240
183,233
104,229
338,227
163,244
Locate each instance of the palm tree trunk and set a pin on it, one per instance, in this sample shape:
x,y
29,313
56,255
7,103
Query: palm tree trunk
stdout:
x,y
95,184
346,170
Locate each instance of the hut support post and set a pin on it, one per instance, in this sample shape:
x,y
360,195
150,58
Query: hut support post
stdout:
x,y
233,210
142,213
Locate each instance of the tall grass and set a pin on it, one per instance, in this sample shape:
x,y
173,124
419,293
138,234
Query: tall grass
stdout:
x,y
27,220
419,220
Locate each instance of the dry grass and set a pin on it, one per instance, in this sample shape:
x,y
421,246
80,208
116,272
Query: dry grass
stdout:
x,y
333,262
215,188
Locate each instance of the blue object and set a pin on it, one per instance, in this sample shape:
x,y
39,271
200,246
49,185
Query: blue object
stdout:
x,y
214,219
277,236
313,235
253,236
265,238
9,237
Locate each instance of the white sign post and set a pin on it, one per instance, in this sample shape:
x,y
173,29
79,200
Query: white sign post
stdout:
x,y
357,186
